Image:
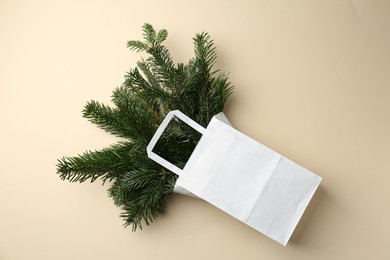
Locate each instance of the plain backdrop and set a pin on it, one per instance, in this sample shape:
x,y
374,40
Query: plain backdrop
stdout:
x,y
311,80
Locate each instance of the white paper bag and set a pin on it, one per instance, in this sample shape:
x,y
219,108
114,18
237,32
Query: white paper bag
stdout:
x,y
242,177
180,189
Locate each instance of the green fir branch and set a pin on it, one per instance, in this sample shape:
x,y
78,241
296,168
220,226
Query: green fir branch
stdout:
x,y
148,202
137,46
162,35
106,164
149,34
156,86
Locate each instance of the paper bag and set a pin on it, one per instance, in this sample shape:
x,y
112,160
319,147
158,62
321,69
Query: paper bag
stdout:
x,y
180,189
242,177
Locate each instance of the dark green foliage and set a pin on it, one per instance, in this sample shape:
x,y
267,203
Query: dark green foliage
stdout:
x,y
152,89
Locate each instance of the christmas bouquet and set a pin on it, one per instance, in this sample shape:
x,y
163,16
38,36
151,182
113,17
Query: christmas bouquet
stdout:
x,y
149,92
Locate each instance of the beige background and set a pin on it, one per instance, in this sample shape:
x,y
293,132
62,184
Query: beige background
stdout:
x,y
312,82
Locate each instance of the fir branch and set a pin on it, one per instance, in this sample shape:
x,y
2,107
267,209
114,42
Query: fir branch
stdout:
x,y
128,120
107,118
151,38
157,85
162,35
135,115
117,193
148,201
163,67
137,46
219,92
138,178
149,34
106,164
205,53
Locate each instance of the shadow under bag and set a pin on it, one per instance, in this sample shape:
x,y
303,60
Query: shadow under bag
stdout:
x,y
242,177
